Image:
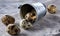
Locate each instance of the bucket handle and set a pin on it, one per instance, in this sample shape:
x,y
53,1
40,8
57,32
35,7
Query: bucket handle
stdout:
x,y
19,6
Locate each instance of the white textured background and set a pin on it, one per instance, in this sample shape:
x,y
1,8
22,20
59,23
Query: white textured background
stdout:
x,y
47,26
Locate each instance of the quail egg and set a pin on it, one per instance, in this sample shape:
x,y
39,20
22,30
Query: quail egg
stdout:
x,y
31,17
7,19
51,9
25,24
12,29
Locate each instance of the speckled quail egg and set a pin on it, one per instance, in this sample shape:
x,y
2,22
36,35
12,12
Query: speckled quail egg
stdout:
x,y
51,9
25,24
31,17
12,29
7,19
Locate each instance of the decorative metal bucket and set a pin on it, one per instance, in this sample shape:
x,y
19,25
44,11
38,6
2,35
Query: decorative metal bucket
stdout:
x,y
40,9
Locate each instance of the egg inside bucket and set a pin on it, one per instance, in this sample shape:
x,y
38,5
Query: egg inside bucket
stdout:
x,y
28,12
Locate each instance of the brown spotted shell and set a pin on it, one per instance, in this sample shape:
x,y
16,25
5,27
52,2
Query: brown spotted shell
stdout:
x,y
12,29
51,9
25,24
31,17
7,20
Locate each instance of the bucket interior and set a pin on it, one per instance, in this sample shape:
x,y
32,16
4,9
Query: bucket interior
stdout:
x,y
26,8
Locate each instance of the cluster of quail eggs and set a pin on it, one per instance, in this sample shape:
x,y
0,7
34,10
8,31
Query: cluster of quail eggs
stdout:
x,y
24,23
11,28
30,18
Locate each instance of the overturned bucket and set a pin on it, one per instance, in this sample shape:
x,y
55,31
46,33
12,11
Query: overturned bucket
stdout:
x,y
38,8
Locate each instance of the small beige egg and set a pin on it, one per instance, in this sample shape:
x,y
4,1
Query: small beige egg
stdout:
x,y
51,9
31,17
25,24
12,29
7,19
